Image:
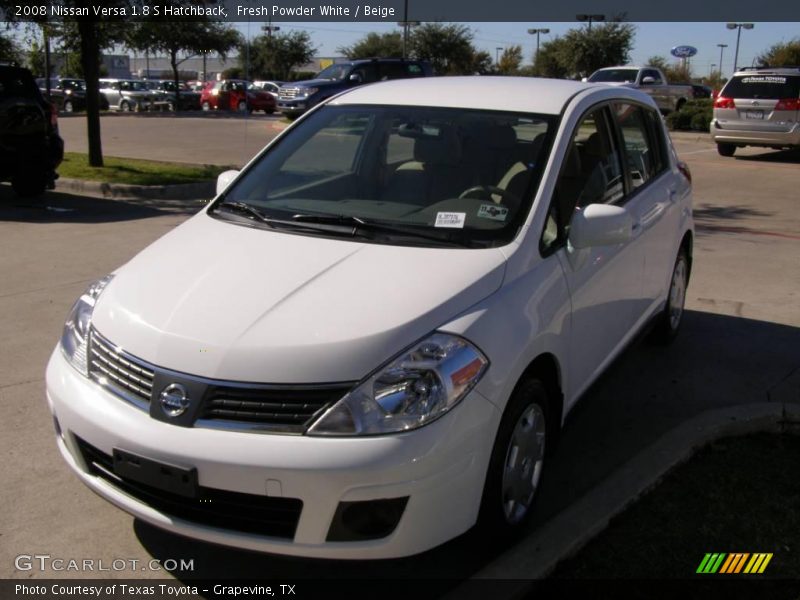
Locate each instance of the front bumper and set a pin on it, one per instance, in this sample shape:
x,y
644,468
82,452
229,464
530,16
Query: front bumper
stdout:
x,y
293,107
440,468
726,133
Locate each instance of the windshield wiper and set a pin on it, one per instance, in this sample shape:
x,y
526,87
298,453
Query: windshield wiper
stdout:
x,y
252,211
360,225
243,207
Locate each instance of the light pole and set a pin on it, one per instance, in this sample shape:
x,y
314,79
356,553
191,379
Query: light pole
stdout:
x,y
738,26
406,25
497,55
537,32
590,18
721,50
711,69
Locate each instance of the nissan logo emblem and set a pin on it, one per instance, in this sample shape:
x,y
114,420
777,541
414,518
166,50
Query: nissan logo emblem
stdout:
x,y
174,400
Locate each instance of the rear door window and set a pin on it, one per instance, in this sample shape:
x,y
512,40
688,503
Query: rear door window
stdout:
x,y
772,87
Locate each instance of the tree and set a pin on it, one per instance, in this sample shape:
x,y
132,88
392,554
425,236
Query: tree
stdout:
x,y
384,45
9,50
175,37
448,48
481,62
580,52
675,73
782,53
510,61
274,56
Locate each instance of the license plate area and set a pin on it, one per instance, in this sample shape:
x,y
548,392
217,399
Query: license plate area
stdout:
x,y
166,477
754,114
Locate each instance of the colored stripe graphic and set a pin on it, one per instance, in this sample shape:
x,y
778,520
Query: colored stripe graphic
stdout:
x,y
734,563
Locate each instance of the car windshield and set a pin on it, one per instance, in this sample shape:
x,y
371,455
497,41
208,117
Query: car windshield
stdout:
x,y
334,72
446,172
774,87
614,76
73,84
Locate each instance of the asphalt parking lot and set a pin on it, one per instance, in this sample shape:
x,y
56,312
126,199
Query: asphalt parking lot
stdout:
x,y
740,344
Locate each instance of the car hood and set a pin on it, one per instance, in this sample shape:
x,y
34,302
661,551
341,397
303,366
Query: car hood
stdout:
x,y
239,303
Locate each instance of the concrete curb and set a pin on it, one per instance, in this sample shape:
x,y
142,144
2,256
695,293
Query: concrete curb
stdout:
x,y
537,555
202,190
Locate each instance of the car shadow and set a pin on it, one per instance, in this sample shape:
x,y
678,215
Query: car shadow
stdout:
x,y
61,207
705,211
773,156
717,361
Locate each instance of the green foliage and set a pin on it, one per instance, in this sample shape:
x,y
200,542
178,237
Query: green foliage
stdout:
x,y
273,57
782,53
9,51
384,45
695,115
676,72
510,61
448,47
580,52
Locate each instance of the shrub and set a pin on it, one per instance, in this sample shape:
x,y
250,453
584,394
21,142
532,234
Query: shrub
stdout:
x,y
695,115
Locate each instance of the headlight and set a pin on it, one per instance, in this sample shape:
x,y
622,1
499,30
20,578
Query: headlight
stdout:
x,y
417,387
74,339
306,92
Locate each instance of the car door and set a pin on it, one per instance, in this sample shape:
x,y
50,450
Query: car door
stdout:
x,y
604,282
653,190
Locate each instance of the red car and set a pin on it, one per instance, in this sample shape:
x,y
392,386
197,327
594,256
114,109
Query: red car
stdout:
x,y
236,94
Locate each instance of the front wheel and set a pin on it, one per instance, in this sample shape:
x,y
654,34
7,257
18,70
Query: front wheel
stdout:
x,y
68,106
515,467
125,106
669,321
726,149
29,184
242,106
206,106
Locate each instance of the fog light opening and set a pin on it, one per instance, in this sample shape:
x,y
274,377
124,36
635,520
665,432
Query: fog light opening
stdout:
x,y
366,520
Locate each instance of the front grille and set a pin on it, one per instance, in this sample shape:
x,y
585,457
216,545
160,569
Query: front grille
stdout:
x,y
125,374
288,93
288,408
249,513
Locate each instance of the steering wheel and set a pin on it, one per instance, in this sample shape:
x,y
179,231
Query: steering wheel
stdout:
x,y
491,190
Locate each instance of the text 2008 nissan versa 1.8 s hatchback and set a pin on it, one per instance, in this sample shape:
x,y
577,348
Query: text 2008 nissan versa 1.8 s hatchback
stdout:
x,y
368,341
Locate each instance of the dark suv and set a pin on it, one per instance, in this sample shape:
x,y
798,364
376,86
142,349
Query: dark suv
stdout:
x,y
30,147
297,97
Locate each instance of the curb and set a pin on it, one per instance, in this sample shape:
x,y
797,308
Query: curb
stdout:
x,y
536,556
202,190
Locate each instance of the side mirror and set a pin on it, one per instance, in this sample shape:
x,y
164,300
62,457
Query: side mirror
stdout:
x,y
600,225
224,180
648,80
355,78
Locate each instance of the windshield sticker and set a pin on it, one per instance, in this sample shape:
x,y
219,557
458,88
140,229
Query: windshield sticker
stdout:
x,y
453,220
764,79
493,212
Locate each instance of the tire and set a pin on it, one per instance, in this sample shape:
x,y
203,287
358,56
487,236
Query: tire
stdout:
x,y
68,106
125,106
679,104
29,185
668,323
517,462
726,149
205,106
170,107
242,106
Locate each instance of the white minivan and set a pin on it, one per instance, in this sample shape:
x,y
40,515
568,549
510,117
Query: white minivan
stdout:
x,y
369,340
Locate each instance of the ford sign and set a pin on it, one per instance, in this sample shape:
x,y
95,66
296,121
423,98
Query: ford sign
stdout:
x,y
683,51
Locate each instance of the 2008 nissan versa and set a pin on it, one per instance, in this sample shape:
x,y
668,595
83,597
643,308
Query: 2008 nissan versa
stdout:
x,y
369,340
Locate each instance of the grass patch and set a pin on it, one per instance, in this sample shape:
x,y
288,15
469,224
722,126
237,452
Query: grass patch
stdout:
x,y
736,495
133,171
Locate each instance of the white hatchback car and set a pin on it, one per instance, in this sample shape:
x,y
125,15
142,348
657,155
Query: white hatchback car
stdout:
x,y
366,342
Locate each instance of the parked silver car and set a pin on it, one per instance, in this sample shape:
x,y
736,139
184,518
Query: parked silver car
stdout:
x,y
758,107
128,94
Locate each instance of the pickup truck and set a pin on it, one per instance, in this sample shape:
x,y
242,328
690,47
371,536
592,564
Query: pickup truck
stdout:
x,y
668,97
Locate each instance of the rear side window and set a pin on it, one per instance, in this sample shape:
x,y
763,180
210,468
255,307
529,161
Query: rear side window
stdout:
x,y
16,84
773,87
644,150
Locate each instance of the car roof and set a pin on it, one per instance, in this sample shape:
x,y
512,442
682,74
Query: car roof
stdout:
x,y
515,94
768,70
